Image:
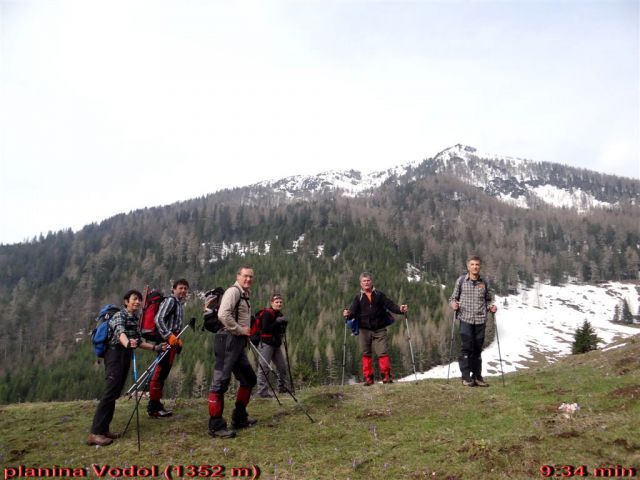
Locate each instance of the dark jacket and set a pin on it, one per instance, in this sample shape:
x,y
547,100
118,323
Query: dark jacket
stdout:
x,y
374,315
270,329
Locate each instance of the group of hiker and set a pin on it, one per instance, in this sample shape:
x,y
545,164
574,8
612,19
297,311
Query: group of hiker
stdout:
x,y
370,311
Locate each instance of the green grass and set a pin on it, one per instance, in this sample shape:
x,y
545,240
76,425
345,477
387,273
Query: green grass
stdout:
x,y
429,429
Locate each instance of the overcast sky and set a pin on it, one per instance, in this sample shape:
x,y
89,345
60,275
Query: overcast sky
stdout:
x,y
106,107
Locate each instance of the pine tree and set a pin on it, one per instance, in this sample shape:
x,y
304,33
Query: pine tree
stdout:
x,y
585,339
625,315
616,313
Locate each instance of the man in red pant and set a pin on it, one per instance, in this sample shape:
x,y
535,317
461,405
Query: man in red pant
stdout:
x,y
229,347
169,320
371,309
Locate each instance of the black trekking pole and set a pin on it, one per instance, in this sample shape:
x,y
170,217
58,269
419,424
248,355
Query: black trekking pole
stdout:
x,y
453,328
259,355
144,380
266,377
149,371
344,351
136,412
286,353
413,361
135,379
498,340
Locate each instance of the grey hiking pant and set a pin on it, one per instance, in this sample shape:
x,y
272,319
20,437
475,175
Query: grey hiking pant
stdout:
x,y
231,357
277,356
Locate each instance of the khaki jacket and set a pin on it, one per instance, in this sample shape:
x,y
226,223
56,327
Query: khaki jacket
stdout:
x,y
227,314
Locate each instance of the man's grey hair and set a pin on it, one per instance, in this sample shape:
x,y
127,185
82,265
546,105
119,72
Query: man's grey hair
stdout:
x,y
365,275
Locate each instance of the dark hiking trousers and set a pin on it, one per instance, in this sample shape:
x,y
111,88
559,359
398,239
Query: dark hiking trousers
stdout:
x,y
472,341
231,357
116,363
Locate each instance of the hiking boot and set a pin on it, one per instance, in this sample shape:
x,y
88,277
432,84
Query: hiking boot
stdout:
x,y
468,383
387,378
155,409
113,435
218,428
368,381
243,423
480,382
222,433
240,419
100,440
161,413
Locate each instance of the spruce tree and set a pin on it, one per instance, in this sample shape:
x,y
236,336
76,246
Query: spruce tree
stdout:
x,y
625,315
585,339
616,313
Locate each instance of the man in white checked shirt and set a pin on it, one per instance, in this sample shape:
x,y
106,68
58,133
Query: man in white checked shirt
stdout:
x,y
472,299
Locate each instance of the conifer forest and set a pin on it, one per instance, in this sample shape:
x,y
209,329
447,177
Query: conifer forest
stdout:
x,y
312,251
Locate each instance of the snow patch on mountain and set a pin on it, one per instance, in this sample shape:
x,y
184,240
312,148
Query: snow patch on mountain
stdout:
x,y
520,201
561,198
350,183
513,180
413,273
538,325
296,244
220,251
466,153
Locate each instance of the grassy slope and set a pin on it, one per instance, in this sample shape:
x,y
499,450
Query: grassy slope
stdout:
x,y
428,429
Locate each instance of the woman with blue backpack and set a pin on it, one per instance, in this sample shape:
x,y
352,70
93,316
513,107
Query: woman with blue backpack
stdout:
x,y
124,337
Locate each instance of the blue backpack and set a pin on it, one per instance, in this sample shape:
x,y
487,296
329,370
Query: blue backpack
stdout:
x,y
100,335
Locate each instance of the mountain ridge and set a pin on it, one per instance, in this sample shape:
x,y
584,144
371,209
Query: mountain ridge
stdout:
x,y
521,182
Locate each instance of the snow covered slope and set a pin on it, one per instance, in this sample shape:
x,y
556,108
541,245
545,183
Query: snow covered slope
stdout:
x,y
520,182
348,183
538,325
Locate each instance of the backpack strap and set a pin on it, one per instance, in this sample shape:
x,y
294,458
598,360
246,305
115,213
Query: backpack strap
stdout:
x,y
174,307
486,292
458,288
236,309
111,329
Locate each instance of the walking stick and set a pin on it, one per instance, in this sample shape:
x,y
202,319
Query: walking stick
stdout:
x,y
266,377
144,379
413,361
344,351
259,355
286,353
453,329
135,367
495,321
136,412
135,379
149,370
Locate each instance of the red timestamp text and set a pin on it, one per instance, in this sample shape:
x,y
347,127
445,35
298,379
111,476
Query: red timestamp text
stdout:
x,y
211,471
578,471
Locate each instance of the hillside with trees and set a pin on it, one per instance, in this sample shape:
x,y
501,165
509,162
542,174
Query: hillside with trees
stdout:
x,y
311,249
